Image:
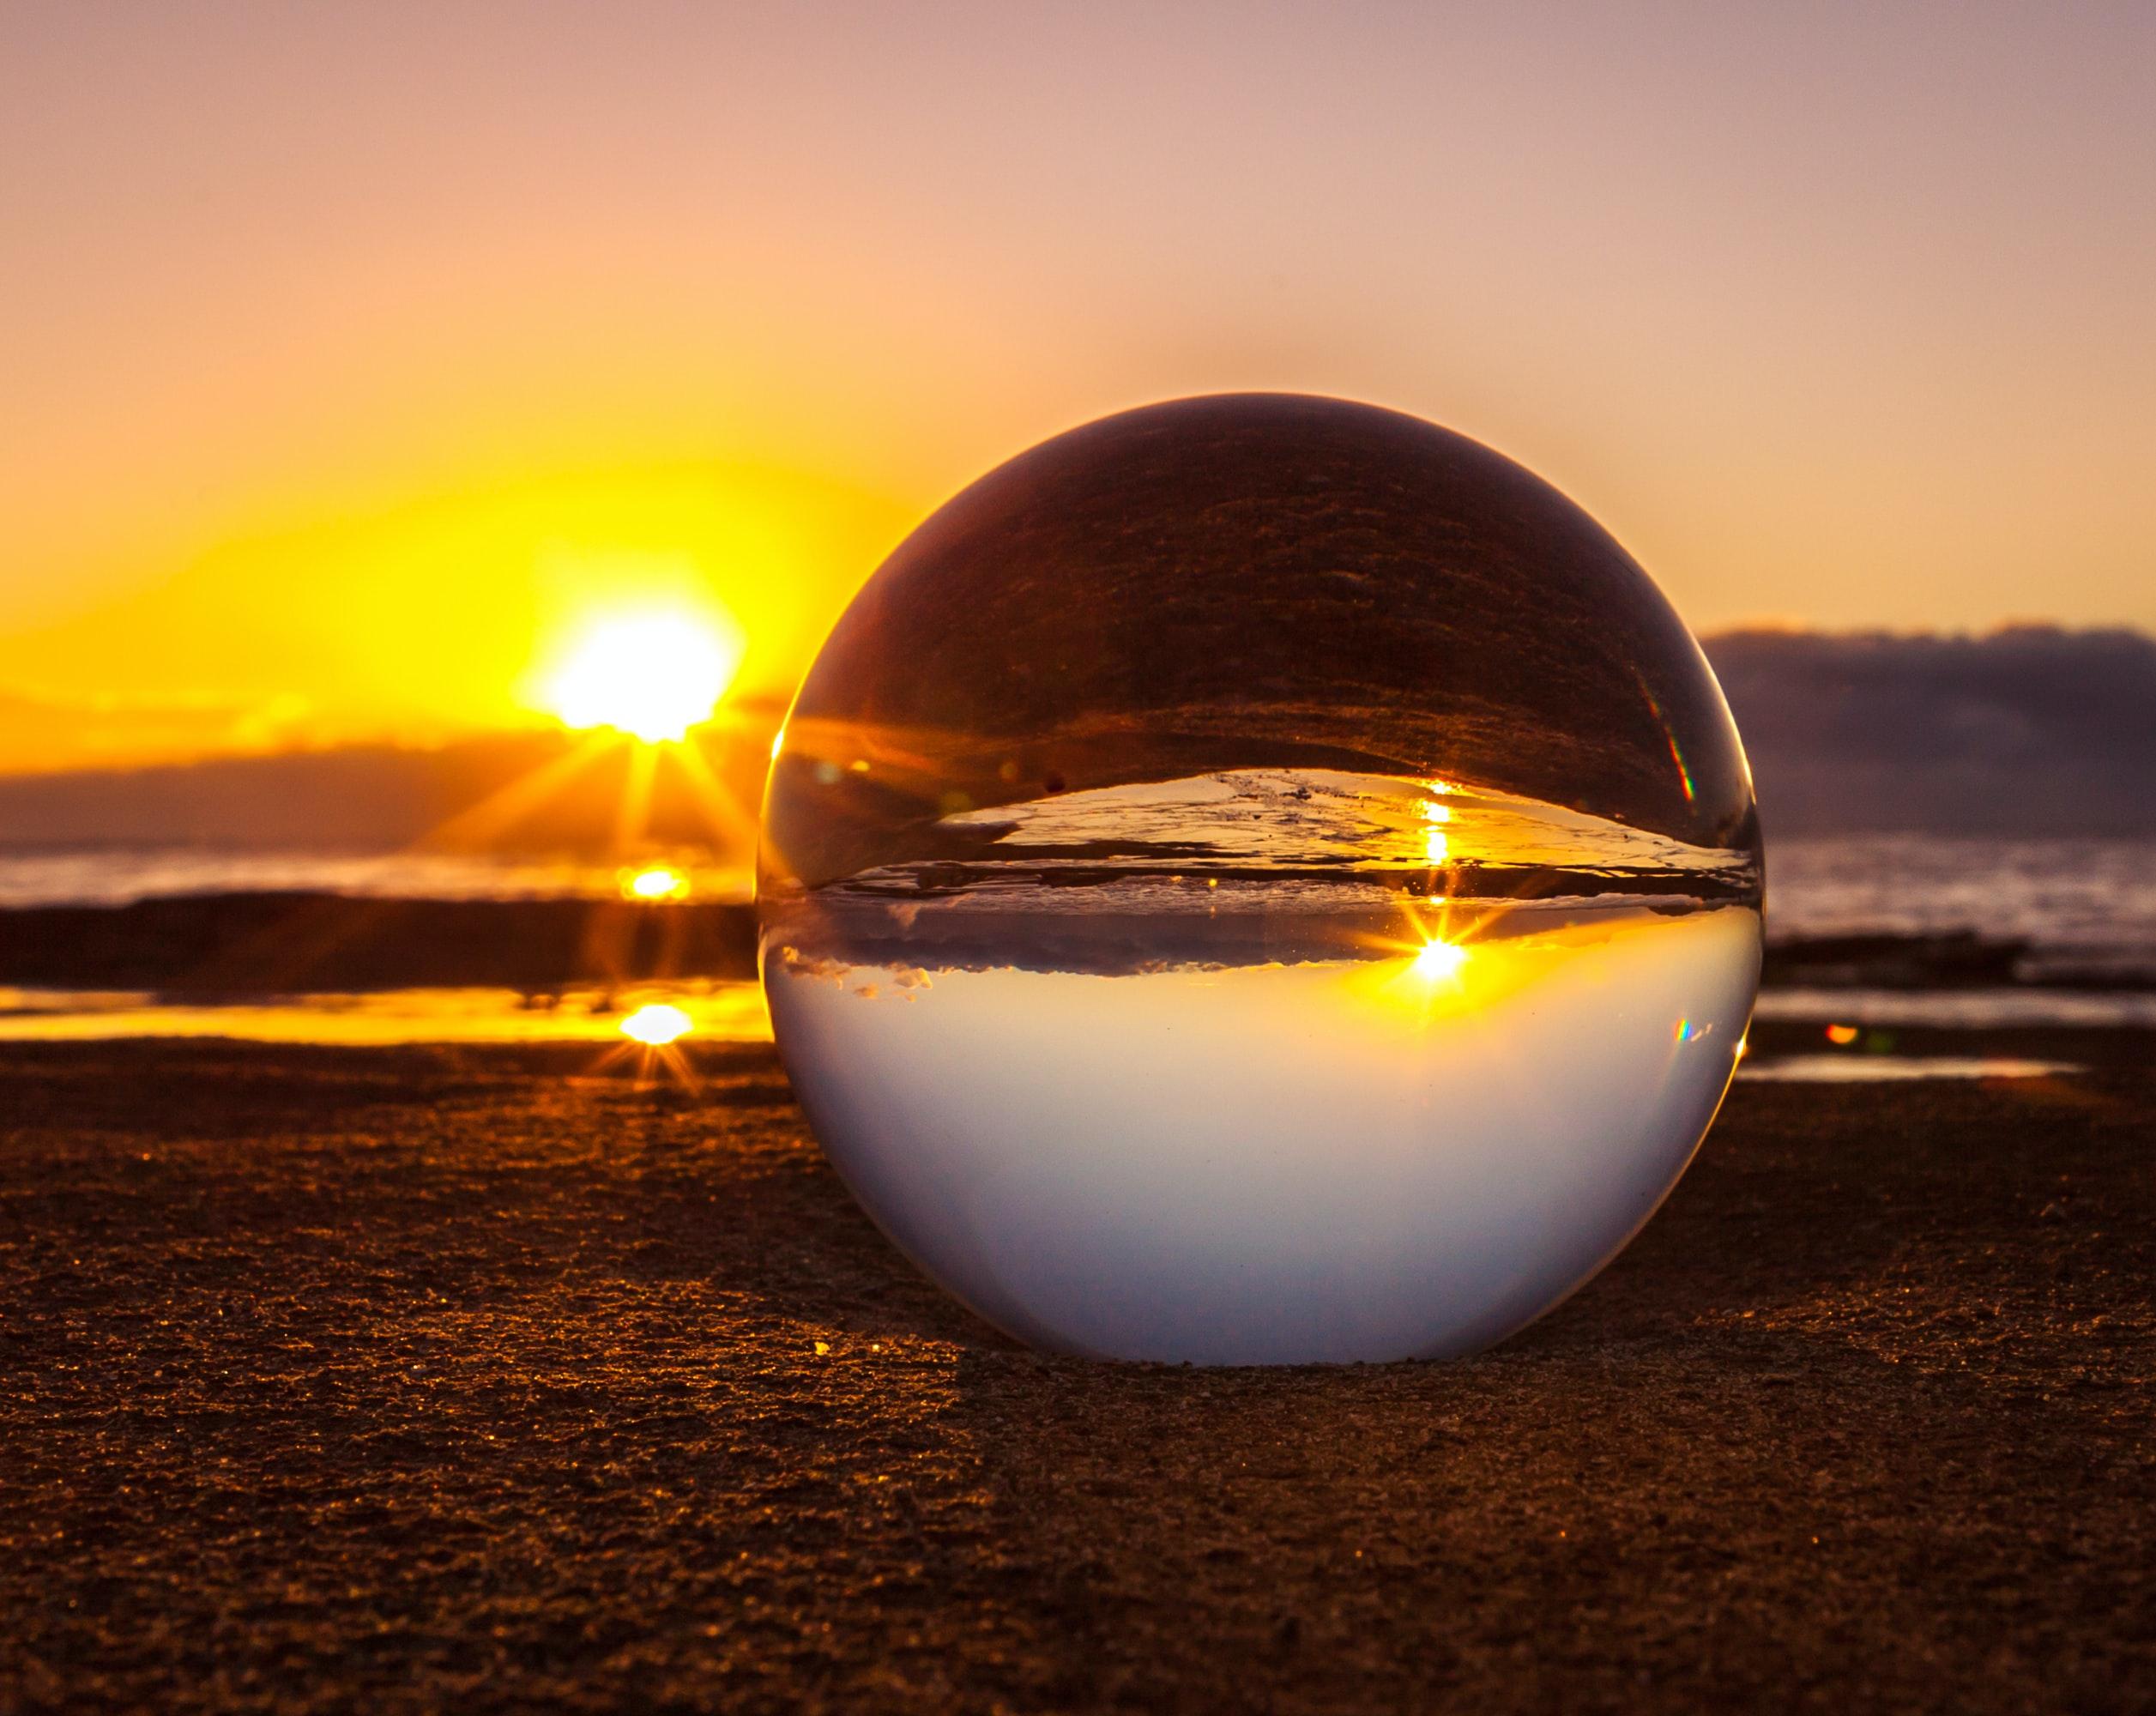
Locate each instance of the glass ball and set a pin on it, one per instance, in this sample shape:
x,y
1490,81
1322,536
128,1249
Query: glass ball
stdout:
x,y
1260,879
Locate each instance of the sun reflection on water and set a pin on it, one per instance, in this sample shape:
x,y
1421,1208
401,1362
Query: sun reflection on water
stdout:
x,y
721,1010
655,883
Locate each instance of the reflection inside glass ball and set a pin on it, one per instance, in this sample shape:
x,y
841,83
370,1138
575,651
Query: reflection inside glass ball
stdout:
x,y
1260,880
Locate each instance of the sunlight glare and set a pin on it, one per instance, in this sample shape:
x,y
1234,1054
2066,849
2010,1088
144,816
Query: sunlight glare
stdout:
x,y
1438,960
656,1023
654,674
1436,844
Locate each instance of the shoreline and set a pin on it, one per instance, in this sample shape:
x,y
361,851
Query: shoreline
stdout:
x,y
318,941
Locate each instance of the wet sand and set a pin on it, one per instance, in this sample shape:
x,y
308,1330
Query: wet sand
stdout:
x,y
398,1379
274,943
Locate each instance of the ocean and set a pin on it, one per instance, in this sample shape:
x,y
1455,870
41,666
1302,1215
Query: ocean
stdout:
x,y
1918,930
122,876
1877,929
2078,909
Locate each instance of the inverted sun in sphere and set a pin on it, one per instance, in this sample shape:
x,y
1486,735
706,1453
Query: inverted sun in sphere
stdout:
x,y
1438,960
652,675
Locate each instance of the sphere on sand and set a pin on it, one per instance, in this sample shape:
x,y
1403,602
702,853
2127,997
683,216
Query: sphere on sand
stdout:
x,y
1260,879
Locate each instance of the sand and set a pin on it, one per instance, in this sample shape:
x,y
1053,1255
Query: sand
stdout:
x,y
390,1379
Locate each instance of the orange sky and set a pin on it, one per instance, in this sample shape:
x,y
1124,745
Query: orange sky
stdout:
x,y
346,356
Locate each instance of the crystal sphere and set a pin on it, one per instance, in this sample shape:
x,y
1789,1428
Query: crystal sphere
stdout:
x,y
1260,879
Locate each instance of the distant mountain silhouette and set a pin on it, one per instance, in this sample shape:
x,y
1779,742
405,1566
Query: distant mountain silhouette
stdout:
x,y
2030,730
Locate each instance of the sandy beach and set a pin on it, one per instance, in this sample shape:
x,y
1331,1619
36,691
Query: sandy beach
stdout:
x,y
399,1378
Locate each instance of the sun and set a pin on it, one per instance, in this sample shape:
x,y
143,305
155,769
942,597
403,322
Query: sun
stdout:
x,y
654,673
658,1023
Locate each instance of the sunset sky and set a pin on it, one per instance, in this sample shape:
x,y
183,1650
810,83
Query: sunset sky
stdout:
x,y
351,360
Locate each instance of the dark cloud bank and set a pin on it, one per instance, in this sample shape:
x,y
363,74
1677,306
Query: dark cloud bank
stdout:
x,y
2031,730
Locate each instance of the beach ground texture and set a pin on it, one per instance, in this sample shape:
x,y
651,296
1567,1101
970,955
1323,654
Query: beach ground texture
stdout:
x,y
411,1379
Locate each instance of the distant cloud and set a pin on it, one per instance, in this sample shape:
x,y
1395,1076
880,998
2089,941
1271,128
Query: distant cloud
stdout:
x,y
2033,729
43,733
2030,730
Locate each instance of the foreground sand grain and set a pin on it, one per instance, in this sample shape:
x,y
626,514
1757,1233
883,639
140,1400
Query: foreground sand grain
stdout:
x,y
398,1379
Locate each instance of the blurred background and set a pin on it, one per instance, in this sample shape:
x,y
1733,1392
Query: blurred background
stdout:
x,y
435,438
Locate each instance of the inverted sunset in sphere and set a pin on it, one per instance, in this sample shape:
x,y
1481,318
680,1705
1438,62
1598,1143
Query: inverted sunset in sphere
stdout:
x,y
1260,879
